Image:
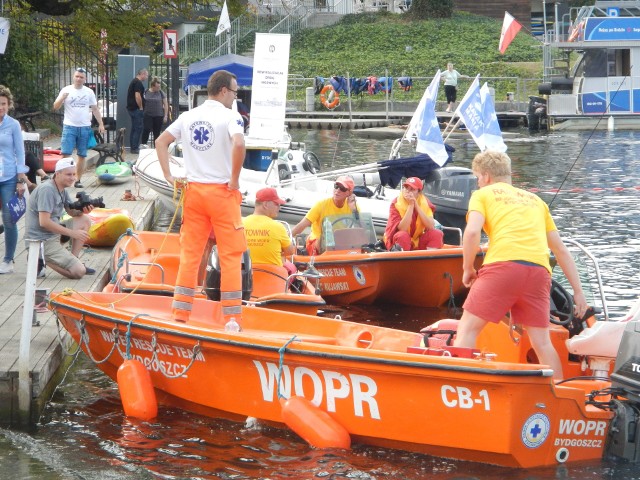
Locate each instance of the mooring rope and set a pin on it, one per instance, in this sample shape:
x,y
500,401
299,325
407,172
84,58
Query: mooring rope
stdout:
x,y
281,351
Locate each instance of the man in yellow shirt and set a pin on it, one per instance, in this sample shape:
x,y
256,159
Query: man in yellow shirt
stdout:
x,y
342,202
515,275
267,239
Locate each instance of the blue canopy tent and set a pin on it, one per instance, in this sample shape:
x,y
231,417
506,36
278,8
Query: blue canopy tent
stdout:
x,y
198,73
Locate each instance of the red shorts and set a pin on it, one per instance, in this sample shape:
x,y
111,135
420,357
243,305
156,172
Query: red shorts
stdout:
x,y
510,286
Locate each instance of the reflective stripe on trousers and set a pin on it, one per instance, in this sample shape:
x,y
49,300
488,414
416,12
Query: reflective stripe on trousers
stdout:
x,y
206,207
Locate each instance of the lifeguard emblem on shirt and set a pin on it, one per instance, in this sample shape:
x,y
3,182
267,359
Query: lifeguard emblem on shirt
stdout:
x,y
201,135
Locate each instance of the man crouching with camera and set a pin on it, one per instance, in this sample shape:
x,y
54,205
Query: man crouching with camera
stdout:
x,y
47,203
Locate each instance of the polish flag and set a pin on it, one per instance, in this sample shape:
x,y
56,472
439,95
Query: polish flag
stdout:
x,y
510,28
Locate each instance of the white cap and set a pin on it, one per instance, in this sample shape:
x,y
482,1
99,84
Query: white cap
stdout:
x,y
65,162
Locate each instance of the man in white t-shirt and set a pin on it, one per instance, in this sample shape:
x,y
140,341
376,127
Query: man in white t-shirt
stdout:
x,y
79,103
213,148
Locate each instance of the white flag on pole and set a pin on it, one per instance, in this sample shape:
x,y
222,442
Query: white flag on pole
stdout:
x,y
428,134
470,111
492,133
4,34
225,23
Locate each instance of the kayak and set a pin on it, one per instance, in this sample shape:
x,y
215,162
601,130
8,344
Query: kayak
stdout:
x,y
114,173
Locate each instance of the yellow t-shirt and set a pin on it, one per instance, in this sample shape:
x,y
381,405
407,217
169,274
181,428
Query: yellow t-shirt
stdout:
x,y
516,222
266,239
323,209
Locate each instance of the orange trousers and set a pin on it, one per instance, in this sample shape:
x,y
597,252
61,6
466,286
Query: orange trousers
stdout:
x,y
210,207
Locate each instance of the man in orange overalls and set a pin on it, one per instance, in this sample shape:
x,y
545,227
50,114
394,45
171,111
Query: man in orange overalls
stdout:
x,y
213,148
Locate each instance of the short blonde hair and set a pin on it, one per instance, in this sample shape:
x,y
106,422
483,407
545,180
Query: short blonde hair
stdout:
x,y
5,92
497,164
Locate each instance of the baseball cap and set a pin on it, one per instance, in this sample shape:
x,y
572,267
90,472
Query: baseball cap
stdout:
x,y
269,194
65,162
413,182
345,181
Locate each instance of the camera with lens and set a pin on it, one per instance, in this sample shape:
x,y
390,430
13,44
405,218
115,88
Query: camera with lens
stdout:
x,y
84,200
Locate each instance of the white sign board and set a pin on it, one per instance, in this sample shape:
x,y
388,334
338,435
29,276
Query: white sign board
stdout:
x,y
170,43
269,87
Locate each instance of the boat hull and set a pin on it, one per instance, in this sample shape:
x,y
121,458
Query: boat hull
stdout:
x,y
422,278
108,225
363,376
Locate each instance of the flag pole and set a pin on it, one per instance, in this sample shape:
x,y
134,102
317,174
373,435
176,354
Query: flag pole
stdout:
x,y
452,128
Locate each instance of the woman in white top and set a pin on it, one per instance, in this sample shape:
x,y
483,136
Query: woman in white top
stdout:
x,y
450,77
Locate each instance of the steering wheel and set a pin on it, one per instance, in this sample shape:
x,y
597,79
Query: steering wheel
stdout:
x,y
348,222
311,162
561,311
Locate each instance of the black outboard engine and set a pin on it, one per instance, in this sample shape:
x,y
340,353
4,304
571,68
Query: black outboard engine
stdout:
x,y
624,434
212,283
537,114
449,189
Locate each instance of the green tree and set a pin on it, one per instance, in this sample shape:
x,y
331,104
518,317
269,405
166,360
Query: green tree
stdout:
x,y
426,9
127,22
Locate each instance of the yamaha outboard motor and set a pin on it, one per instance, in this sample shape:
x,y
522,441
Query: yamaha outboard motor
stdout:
x,y
537,114
212,284
449,189
625,429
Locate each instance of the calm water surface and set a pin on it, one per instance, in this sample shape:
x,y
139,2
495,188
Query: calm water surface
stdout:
x,y
83,433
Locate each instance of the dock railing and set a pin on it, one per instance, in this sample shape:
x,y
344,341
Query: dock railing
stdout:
x,y
510,94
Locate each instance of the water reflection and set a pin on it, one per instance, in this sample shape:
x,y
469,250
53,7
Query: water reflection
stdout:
x,y
85,435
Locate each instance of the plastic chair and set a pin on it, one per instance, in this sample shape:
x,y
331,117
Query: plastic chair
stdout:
x,y
113,150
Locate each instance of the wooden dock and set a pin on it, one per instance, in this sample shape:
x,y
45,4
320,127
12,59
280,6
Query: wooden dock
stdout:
x,y
48,361
342,120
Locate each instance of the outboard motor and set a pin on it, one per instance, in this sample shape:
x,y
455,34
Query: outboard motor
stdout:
x,y
537,113
212,283
449,189
625,429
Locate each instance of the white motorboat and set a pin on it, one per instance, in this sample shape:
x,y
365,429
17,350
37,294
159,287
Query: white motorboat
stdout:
x,y
294,172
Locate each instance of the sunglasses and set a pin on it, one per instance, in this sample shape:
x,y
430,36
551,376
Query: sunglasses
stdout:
x,y
81,70
337,186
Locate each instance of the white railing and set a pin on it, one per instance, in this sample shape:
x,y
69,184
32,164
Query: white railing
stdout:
x,y
294,22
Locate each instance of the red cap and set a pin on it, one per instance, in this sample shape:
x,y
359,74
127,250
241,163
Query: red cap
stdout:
x,y
269,195
413,182
346,182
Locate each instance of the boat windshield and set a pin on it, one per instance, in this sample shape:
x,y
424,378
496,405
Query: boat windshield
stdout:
x,y
345,232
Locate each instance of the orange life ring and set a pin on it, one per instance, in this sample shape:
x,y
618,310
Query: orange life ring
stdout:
x,y
329,97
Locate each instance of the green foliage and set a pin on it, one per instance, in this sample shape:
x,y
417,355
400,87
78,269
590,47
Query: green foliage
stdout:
x,y
18,64
426,9
404,47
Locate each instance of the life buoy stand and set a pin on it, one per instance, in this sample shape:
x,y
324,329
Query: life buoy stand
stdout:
x,y
329,97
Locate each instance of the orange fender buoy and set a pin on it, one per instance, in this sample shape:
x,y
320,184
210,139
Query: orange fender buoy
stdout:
x,y
136,390
329,97
314,425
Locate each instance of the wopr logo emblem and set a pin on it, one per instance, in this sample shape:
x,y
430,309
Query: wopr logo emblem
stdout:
x,y
535,430
202,136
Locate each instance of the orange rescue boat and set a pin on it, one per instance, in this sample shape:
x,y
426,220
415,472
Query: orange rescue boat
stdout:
x,y
356,270
382,386
147,262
